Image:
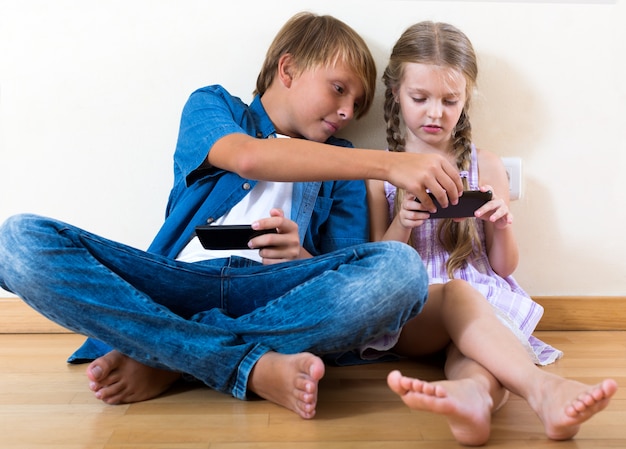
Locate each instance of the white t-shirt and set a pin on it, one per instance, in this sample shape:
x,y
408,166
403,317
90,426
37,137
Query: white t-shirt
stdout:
x,y
255,205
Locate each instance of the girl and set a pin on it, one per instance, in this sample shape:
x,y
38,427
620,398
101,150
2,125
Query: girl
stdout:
x,y
431,74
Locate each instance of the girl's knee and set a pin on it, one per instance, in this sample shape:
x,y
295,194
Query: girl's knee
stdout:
x,y
454,290
458,292
456,286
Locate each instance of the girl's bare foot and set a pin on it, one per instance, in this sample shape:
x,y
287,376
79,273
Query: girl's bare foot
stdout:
x,y
288,380
466,404
117,379
564,404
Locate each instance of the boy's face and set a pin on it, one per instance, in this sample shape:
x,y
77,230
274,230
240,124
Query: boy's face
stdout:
x,y
321,102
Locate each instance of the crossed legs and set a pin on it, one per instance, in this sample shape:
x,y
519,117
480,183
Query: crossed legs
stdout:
x,y
169,315
488,361
484,358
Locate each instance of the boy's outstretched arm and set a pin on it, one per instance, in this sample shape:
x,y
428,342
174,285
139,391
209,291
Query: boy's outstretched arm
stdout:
x,y
303,160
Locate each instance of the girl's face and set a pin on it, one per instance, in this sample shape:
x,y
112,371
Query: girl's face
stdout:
x,y
431,101
322,101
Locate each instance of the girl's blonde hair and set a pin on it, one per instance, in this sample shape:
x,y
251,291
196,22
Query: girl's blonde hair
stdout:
x,y
320,41
443,45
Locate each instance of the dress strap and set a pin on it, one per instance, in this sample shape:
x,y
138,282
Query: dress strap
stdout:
x,y
473,171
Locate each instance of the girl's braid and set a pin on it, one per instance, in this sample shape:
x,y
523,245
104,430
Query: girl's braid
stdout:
x,y
460,239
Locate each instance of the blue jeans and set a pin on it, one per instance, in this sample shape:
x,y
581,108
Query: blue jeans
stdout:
x,y
214,319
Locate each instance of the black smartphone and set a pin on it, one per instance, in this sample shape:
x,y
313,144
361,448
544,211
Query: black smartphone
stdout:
x,y
467,205
228,236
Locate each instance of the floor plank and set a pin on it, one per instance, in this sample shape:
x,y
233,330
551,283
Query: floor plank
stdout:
x,y
45,403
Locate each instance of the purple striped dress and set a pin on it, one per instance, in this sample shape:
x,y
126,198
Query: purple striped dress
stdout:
x,y
513,305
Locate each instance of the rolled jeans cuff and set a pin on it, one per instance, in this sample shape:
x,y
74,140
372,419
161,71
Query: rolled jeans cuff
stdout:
x,y
245,368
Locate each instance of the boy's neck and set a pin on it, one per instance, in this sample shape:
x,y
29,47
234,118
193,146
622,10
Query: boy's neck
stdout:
x,y
274,104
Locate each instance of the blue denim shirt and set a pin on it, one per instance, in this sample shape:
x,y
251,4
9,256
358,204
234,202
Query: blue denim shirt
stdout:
x,y
330,215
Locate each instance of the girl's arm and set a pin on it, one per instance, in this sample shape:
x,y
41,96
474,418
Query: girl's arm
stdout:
x,y
400,227
502,249
378,209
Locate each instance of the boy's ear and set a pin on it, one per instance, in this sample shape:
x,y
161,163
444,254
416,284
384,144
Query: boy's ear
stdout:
x,y
286,69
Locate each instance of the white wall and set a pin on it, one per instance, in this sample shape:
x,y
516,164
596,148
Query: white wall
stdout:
x,y
91,94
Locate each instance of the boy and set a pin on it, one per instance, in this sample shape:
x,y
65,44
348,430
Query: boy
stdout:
x,y
237,324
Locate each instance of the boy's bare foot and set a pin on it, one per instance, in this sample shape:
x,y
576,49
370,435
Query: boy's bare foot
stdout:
x,y
290,380
564,404
466,404
117,379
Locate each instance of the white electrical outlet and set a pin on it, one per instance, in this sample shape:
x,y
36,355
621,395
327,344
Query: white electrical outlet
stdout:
x,y
513,167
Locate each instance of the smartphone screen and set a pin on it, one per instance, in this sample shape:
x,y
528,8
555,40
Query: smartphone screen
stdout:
x,y
228,236
469,202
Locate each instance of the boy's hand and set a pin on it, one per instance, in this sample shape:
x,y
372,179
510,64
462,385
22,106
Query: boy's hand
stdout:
x,y
420,173
279,247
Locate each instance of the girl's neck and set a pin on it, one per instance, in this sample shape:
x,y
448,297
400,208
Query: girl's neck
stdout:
x,y
419,146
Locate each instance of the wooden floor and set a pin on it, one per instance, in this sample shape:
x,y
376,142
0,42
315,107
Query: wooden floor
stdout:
x,y
46,403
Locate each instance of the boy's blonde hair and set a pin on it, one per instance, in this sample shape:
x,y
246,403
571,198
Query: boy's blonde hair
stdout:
x,y
320,41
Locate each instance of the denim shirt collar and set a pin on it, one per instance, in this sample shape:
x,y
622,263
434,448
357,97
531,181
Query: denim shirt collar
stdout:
x,y
264,126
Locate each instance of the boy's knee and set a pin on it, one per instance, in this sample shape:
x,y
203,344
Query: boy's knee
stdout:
x,y
20,232
8,232
404,273
23,249
405,263
16,223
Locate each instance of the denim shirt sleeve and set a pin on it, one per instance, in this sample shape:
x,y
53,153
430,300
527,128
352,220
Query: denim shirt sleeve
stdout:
x,y
199,193
209,114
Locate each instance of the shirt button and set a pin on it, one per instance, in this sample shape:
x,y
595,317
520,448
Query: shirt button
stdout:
x,y
210,220
246,186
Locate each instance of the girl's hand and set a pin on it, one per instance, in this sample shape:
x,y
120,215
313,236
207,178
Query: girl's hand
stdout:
x,y
411,215
280,247
495,211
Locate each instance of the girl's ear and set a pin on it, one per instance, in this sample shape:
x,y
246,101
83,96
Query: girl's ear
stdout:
x,y
394,92
286,69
